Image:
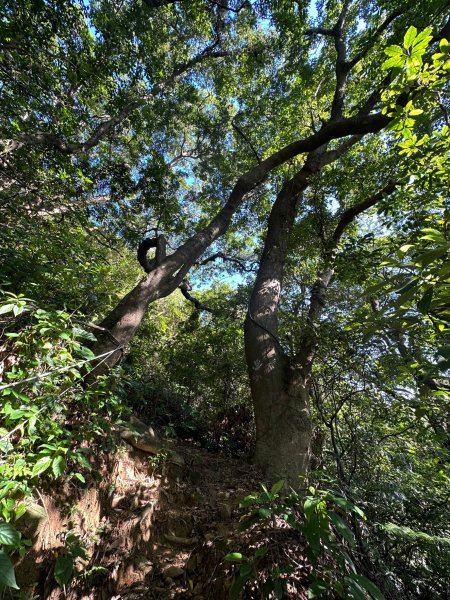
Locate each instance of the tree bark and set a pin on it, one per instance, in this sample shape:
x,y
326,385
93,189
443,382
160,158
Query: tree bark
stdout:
x,y
280,384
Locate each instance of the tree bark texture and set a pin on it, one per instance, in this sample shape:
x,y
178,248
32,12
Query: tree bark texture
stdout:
x,y
278,385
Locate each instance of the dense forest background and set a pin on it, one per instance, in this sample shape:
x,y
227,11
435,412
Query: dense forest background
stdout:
x,y
230,219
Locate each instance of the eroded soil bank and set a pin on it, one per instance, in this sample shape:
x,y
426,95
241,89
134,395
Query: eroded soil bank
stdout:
x,y
151,528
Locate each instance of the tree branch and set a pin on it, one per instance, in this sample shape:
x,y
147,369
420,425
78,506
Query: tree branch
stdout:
x,y
185,288
160,244
58,143
319,289
246,139
380,29
349,215
342,68
224,257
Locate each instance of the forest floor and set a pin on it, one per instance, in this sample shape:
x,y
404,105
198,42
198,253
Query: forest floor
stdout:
x,y
152,529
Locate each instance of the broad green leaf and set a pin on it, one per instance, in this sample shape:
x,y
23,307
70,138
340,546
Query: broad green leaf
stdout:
x,y
421,411
426,258
9,536
407,295
444,351
310,505
342,528
348,506
261,552
58,466
393,50
267,588
246,569
424,303
278,588
7,576
410,284
433,234
424,37
63,569
356,590
5,308
410,36
41,465
248,501
238,584
313,534
395,61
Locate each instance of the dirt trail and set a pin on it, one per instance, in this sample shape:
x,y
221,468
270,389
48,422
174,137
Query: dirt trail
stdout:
x,y
151,531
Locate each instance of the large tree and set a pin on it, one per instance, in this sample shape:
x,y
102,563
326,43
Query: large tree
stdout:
x,y
184,118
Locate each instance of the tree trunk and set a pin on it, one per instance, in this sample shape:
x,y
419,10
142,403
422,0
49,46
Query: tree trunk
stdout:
x,y
279,387
282,416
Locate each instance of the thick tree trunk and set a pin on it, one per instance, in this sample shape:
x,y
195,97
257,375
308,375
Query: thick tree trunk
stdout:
x,y
282,416
279,387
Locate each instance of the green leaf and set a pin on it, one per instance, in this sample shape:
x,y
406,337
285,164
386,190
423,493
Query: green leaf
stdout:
x,y
369,586
410,36
63,569
278,588
9,536
426,258
41,465
246,570
235,557
310,505
342,528
410,284
433,234
261,552
247,501
267,587
356,590
238,584
58,466
444,351
348,506
395,61
277,487
421,411
264,513
317,588
425,302
393,50
424,37
7,576
6,308
313,536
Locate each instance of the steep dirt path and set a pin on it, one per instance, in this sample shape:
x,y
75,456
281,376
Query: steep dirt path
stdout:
x,y
167,533
156,531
